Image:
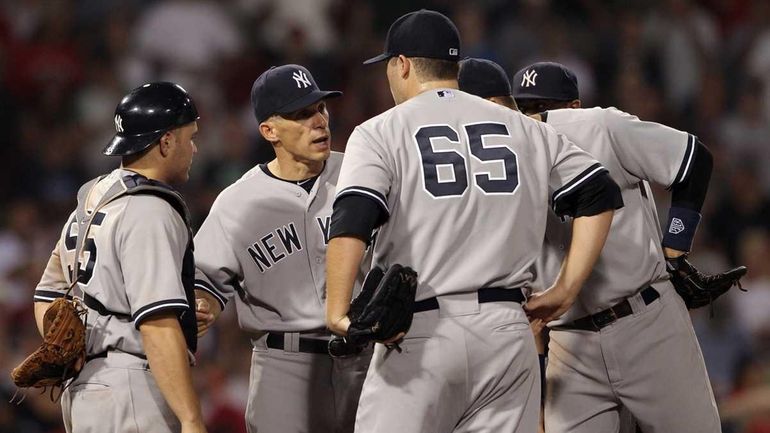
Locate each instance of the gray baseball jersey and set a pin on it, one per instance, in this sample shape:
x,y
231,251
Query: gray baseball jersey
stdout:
x,y
465,183
648,363
635,153
131,263
264,244
264,241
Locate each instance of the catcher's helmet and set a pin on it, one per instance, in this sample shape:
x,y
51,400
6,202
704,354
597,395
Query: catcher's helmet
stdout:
x,y
145,114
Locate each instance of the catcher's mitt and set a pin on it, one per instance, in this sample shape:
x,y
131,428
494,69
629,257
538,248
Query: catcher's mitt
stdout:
x,y
698,289
385,306
63,351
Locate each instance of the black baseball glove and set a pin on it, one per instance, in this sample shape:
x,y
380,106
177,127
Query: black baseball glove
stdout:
x,y
698,289
385,306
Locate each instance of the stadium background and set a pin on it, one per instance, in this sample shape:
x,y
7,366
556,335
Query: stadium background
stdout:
x,y
701,66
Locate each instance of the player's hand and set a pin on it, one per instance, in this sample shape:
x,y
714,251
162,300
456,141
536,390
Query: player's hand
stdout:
x,y
339,326
550,304
203,316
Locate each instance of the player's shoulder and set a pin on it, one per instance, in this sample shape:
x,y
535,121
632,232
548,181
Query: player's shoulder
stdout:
x,y
148,209
569,115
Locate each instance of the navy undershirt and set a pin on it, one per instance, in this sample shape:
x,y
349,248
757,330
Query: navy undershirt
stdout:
x,y
306,184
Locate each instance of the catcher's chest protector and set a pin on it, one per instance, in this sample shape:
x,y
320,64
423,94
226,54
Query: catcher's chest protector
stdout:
x,y
136,184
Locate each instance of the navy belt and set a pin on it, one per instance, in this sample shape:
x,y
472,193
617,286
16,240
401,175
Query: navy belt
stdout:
x,y
488,294
306,345
596,322
104,355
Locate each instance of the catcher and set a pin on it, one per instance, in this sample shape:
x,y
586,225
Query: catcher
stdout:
x,y
128,249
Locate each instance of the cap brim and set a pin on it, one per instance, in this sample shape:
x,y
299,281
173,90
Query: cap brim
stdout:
x,y
122,145
534,96
377,59
309,99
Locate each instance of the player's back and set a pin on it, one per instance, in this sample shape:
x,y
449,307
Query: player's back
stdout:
x,y
634,152
468,188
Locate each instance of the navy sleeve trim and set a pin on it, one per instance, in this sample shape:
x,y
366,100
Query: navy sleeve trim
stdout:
x,y
208,288
356,216
685,168
49,296
154,308
588,174
365,192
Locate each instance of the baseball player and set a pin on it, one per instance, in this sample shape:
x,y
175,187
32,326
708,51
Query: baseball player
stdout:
x,y
129,246
264,244
457,188
487,79
627,342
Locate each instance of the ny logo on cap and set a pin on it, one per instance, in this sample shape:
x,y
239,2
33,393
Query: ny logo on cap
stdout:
x,y
118,123
301,78
528,79
453,51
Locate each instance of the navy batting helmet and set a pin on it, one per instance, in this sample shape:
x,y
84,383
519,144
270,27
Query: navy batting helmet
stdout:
x,y
145,114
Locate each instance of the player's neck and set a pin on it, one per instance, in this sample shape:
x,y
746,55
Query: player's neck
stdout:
x,y
430,85
294,170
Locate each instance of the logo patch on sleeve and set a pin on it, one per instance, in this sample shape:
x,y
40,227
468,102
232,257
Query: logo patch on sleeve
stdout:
x,y
677,226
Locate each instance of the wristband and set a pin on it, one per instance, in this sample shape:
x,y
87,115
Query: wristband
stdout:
x,y
680,229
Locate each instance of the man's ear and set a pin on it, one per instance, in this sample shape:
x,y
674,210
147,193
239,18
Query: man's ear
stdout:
x,y
575,103
404,66
166,141
268,130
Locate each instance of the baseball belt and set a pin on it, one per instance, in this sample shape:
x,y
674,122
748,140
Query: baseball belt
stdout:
x,y
275,340
487,294
596,322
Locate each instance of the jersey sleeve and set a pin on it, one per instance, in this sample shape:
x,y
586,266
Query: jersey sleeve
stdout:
x,y
571,168
648,150
365,170
152,239
217,266
53,284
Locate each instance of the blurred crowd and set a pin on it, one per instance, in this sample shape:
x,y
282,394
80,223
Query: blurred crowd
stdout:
x,y
698,65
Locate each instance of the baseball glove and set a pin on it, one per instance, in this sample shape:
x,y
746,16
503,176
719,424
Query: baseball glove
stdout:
x,y
385,306
698,289
63,351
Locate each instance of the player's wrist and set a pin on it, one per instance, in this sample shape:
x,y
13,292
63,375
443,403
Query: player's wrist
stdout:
x,y
339,326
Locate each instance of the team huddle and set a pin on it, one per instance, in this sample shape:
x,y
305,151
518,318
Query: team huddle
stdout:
x,y
499,243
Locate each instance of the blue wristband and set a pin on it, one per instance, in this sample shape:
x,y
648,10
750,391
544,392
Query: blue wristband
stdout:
x,y
680,229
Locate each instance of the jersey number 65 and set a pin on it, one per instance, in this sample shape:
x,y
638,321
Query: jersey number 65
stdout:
x,y
456,185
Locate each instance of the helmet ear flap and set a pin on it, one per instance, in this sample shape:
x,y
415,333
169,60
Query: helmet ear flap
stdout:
x,y
144,115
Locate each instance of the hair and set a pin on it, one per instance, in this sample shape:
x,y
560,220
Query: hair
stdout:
x,y
435,69
506,101
534,106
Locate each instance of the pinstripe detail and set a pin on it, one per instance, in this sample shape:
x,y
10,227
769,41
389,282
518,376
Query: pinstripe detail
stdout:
x,y
150,309
689,153
366,192
208,288
48,295
578,180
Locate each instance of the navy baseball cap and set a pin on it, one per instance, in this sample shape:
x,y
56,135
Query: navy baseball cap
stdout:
x,y
285,89
483,78
423,33
545,80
